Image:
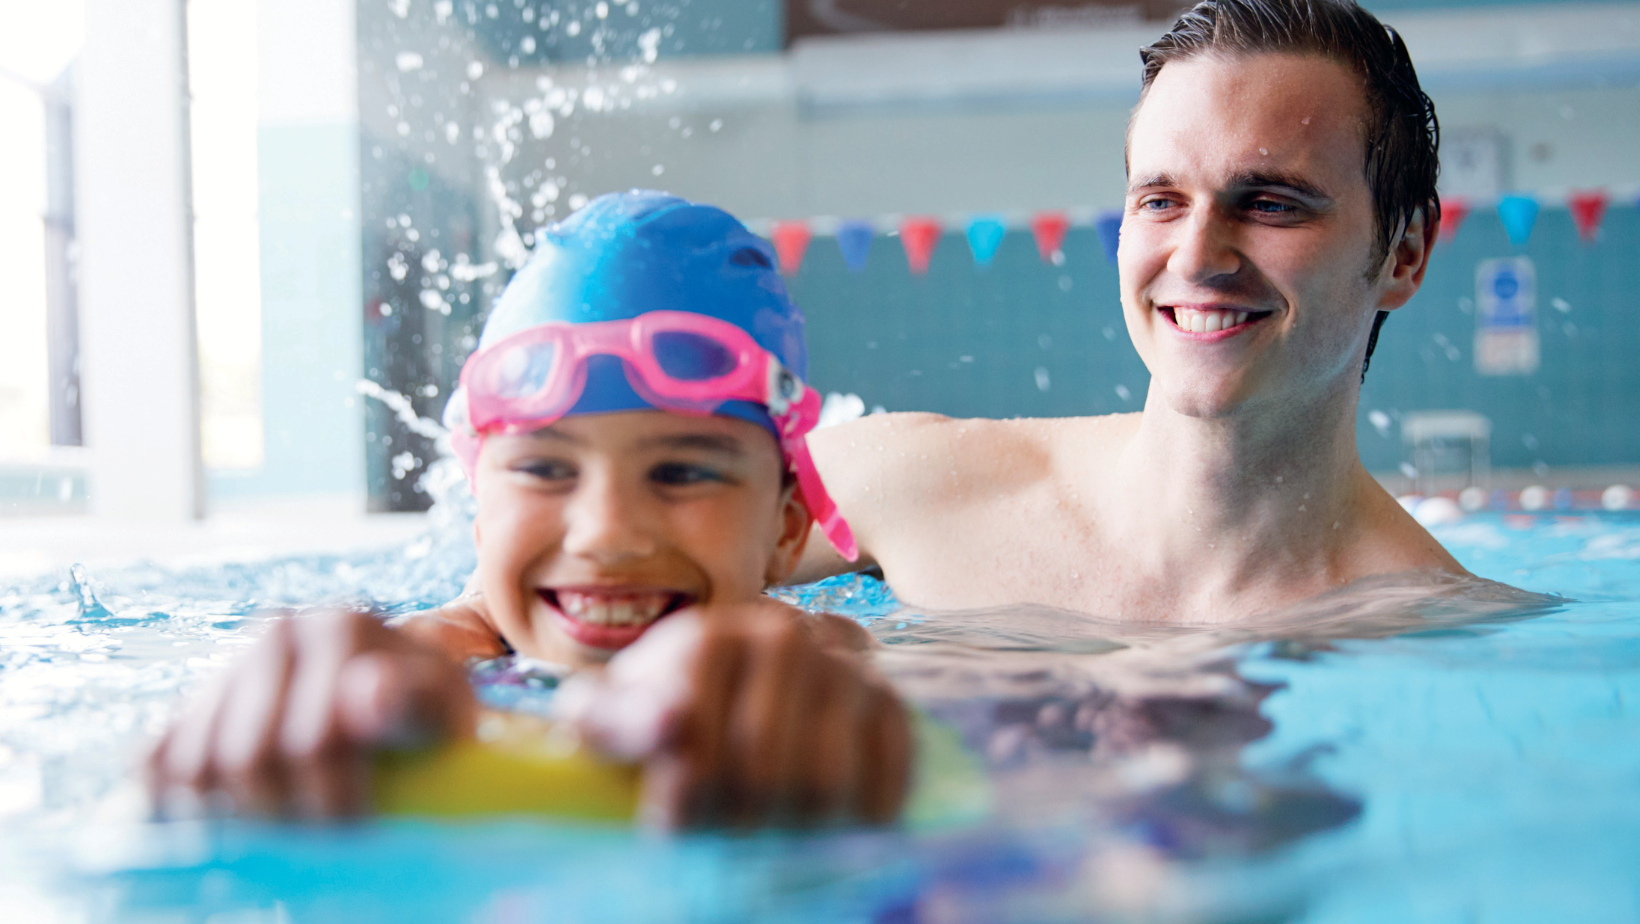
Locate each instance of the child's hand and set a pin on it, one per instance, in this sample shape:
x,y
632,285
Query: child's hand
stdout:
x,y
751,714
289,729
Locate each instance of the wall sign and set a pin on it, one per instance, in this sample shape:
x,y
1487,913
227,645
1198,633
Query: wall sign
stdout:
x,y
1506,335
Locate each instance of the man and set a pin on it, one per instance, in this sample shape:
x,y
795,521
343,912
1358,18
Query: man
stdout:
x,y
1281,199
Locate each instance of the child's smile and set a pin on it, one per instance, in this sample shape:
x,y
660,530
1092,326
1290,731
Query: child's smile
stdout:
x,y
610,617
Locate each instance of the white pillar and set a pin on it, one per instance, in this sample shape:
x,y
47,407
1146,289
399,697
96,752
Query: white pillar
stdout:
x,y
138,360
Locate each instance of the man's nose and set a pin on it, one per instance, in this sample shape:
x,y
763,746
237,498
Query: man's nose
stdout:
x,y
1205,248
605,521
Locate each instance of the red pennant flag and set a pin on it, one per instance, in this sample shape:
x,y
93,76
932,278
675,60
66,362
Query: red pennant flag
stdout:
x,y
1049,230
791,241
1453,212
918,236
1588,208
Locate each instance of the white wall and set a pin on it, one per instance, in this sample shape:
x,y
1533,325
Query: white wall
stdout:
x,y
137,357
1000,121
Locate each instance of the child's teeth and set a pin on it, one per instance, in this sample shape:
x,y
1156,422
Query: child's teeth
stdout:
x,y
612,611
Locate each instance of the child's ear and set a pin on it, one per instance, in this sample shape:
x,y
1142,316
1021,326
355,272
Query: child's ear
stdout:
x,y
795,522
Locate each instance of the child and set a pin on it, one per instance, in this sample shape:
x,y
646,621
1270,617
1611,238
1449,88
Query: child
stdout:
x,y
633,426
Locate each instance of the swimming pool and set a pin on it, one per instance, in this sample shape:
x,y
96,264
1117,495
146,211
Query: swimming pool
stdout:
x,y
1477,759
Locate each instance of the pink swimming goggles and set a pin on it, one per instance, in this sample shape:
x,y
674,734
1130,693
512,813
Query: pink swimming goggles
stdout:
x,y
676,360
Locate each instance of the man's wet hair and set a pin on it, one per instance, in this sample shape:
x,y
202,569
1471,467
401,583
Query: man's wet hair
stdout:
x,y
1402,135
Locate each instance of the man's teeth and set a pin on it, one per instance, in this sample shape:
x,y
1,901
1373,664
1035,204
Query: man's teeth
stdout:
x,y
609,610
1206,322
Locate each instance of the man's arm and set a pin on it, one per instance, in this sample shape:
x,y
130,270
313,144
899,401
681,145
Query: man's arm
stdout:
x,y
821,561
857,461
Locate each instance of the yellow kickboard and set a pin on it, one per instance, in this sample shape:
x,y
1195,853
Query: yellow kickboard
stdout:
x,y
522,768
526,766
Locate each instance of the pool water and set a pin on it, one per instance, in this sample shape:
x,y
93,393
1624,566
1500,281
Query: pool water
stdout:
x,y
1413,750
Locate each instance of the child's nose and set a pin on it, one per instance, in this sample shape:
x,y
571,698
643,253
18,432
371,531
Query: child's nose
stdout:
x,y
605,521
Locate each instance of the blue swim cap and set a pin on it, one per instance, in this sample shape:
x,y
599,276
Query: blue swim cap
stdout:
x,y
626,254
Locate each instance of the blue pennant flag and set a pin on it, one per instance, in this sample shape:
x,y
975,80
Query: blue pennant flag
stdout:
x,y
1109,227
985,233
854,240
1519,214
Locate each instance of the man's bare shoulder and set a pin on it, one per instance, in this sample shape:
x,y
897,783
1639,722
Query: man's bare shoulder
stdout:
x,y
1391,541
929,456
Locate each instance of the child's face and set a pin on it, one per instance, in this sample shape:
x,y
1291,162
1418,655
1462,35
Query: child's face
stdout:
x,y
593,528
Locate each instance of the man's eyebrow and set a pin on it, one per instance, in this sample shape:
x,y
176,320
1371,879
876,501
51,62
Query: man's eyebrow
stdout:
x,y
710,442
1296,185
1250,180
1154,181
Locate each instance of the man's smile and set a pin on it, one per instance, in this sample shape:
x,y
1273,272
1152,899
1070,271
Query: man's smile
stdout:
x,y
610,617
1215,320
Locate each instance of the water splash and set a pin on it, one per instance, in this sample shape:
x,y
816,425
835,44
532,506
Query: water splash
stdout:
x,y
85,595
403,409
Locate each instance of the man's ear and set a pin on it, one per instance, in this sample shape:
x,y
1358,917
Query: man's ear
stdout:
x,y
795,525
1408,259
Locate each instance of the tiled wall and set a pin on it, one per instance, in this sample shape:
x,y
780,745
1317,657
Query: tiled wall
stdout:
x,y
1582,407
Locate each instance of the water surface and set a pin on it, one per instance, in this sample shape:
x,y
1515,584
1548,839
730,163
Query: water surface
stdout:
x,y
1411,749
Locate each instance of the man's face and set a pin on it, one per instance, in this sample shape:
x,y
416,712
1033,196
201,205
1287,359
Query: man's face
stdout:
x,y
1247,245
591,530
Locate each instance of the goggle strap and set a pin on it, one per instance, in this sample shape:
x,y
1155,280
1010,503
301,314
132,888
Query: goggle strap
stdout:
x,y
466,446
818,500
839,534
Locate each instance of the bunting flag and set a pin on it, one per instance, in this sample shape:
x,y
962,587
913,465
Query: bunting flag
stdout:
x,y
1049,230
919,236
1519,214
1588,208
791,241
1109,226
854,240
985,234
1454,210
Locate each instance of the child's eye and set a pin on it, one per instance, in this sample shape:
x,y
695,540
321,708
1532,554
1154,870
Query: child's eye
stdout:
x,y
680,474
546,469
